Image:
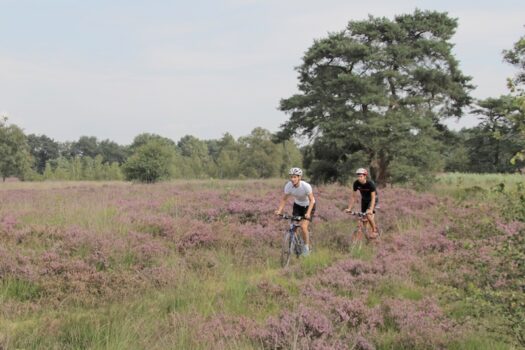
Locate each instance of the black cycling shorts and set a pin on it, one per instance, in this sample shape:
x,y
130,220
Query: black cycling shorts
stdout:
x,y
299,210
365,206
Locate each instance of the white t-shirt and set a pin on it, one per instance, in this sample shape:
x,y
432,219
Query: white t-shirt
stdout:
x,y
300,192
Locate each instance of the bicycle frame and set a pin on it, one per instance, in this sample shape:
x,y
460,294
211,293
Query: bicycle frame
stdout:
x,y
362,224
292,242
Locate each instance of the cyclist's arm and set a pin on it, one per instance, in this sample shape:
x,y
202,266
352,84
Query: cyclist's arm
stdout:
x,y
310,206
352,200
281,204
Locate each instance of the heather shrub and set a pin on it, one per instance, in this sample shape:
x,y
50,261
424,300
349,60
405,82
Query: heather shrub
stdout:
x,y
195,265
222,331
298,329
336,236
420,325
8,223
197,235
154,224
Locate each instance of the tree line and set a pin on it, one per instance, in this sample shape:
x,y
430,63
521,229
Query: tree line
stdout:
x,y
376,95
148,158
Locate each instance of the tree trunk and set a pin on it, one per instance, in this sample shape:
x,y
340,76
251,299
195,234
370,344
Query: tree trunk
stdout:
x,y
496,156
382,171
379,169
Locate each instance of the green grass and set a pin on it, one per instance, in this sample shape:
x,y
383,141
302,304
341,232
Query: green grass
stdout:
x,y
139,324
394,289
362,251
479,342
482,180
320,258
20,290
476,186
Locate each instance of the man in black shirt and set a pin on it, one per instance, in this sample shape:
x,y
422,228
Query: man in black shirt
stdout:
x,y
369,198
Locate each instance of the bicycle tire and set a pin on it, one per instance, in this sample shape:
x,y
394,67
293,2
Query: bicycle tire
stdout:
x,y
356,239
287,249
366,231
299,245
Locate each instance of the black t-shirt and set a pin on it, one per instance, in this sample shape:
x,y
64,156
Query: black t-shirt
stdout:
x,y
366,190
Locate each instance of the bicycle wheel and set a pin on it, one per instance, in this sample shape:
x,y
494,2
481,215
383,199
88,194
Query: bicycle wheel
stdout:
x,y
366,231
287,249
299,246
369,233
356,239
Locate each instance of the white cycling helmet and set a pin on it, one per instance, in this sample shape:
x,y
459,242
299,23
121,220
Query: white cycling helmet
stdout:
x,y
361,171
296,171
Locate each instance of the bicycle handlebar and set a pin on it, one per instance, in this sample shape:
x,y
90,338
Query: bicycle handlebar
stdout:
x,y
292,218
357,213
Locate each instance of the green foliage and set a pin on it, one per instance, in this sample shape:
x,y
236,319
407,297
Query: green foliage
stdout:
x,y
258,155
513,300
86,146
85,168
291,156
379,90
112,152
228,158
15,159
516,57
21,290
42,149
416,167
492,144
495,287
325,163
150,162
457,158
144,138
196,160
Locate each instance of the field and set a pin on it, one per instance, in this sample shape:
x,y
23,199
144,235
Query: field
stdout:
x,y
195,265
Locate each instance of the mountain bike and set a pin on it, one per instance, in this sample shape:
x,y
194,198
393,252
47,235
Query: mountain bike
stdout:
x,y
363,228
292,241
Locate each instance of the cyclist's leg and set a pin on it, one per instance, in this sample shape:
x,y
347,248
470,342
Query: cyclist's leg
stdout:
x,y
305,227
370,219
305,224
305,233
373,226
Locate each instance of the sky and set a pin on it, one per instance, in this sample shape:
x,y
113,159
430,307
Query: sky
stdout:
x,y
114,69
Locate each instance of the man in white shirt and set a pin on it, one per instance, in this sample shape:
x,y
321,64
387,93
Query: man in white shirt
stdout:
x,y
304,202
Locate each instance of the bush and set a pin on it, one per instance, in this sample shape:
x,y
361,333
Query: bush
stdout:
x,y
151,162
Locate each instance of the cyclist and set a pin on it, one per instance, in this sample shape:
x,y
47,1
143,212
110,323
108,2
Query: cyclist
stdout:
x,y
304,203
369,198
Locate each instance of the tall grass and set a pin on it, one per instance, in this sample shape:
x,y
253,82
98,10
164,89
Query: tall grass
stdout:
x,y
451,182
